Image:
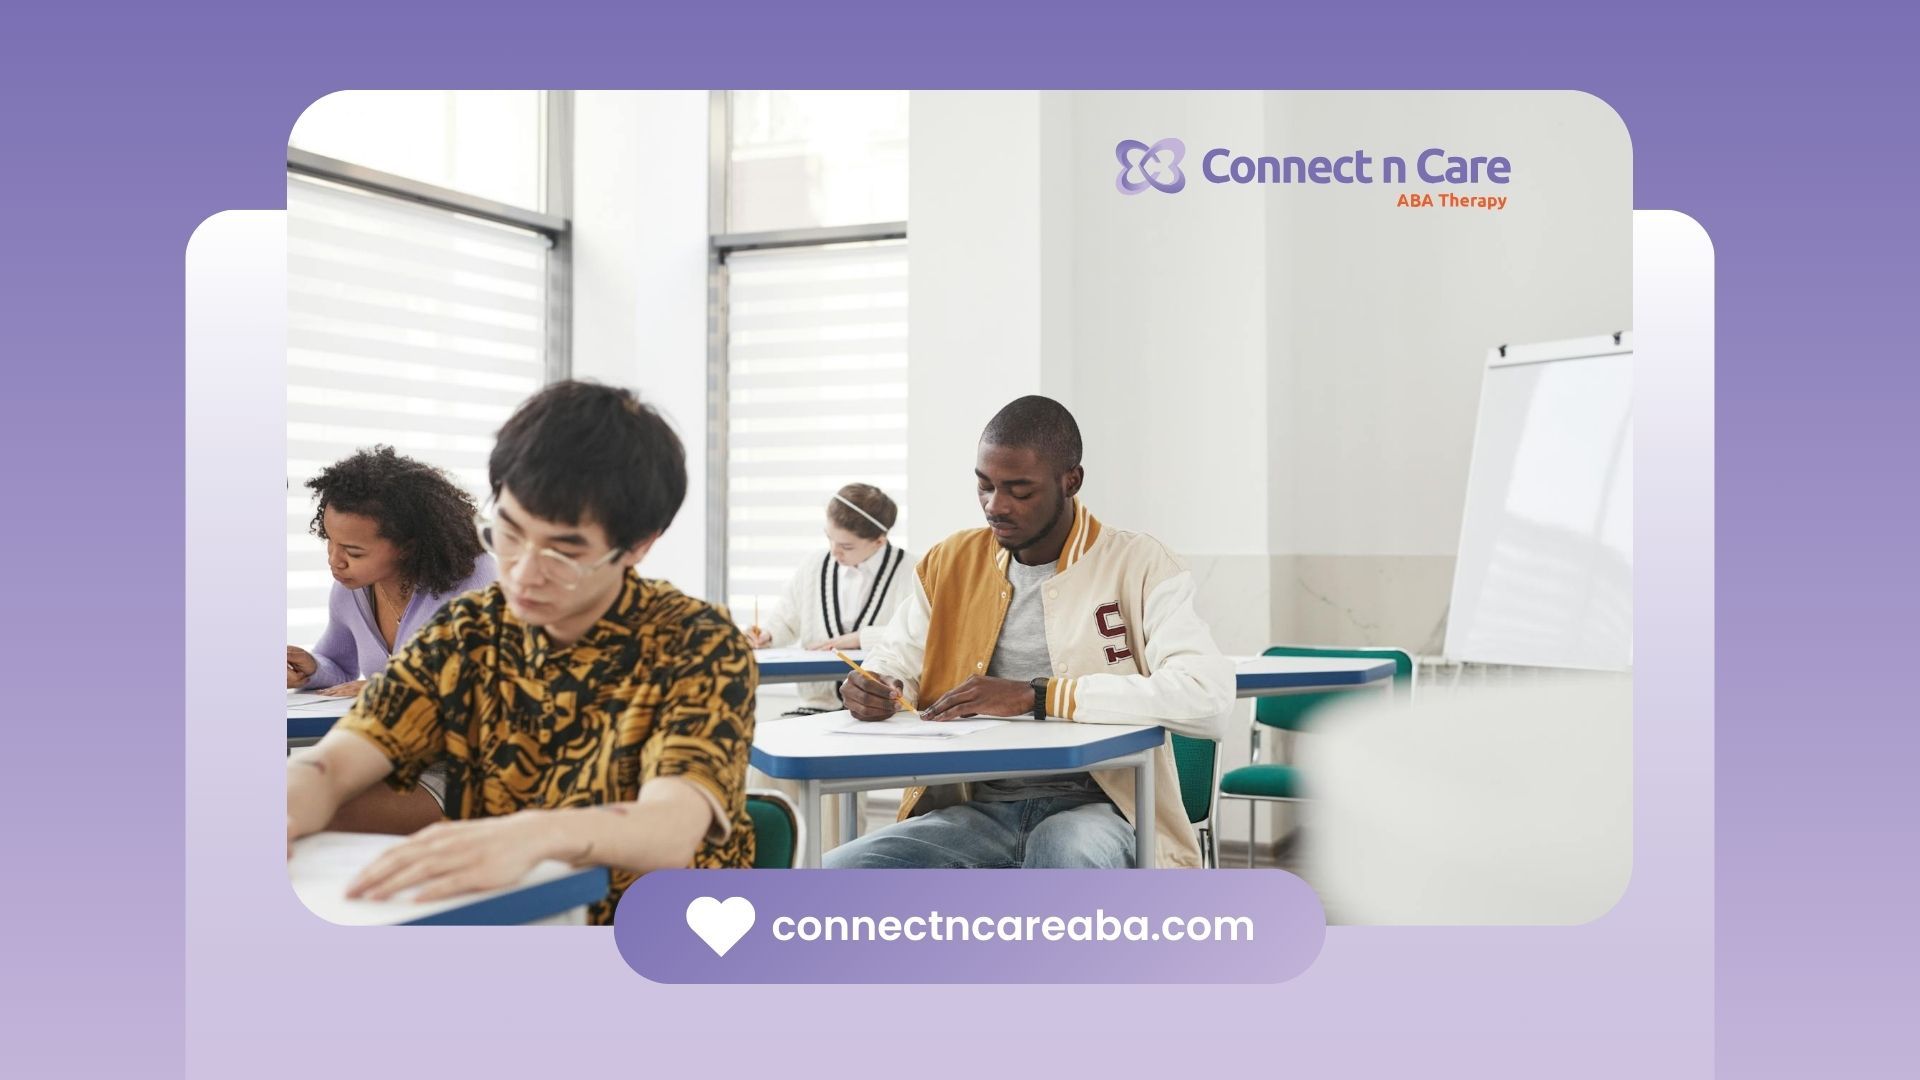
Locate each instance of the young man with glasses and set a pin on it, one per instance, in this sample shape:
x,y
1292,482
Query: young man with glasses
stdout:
x,y
585,713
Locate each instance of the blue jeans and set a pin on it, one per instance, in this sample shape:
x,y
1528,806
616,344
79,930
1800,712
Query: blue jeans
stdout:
x,y
1053,833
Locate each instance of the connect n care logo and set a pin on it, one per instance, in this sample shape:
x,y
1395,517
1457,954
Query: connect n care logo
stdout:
x,y
1156,166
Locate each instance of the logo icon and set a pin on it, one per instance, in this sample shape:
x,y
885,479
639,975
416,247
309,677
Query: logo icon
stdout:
x,y
720,924
1156,166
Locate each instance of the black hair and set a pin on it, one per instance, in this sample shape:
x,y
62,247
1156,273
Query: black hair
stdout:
x,y
578,449
417,507
1040,424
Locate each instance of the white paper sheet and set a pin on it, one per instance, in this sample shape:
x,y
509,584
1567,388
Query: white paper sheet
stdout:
x,y
324,863
311,704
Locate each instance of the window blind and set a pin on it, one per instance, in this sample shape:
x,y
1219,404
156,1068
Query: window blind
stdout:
x,y
816,398
407,325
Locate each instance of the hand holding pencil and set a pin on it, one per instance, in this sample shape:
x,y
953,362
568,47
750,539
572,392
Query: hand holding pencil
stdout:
x,y
869,696
757,637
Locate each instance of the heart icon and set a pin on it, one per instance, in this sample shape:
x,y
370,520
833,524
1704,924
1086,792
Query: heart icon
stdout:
x,y
720,924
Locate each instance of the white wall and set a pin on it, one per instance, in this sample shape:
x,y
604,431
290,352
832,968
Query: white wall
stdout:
x,y
1380,323
976,291
1142,315
640,279
1169,329
1280,382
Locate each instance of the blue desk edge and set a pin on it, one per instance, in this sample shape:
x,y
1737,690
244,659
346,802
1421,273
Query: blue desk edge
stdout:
x,y
907,762
525,905
1263,680
310,727
803,667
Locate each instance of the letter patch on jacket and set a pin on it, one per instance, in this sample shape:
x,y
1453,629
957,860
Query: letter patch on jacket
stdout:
x,y
1106,618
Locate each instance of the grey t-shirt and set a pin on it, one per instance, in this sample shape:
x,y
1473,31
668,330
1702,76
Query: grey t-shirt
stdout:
x,y
1021,653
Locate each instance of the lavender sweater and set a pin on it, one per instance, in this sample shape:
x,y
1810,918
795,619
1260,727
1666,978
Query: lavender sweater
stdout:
x,y
351,646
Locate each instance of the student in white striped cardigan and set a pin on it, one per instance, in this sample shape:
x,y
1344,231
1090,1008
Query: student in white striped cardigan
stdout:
x,y
840,600
844,598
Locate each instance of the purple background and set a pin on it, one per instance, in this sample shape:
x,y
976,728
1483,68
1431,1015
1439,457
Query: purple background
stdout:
x,y
651,931
1776,126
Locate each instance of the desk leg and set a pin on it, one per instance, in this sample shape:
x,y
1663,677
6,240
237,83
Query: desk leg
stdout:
x,y
810,815
849,817
1144,855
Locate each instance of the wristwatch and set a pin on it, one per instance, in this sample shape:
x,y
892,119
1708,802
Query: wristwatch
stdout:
x,y
1040,698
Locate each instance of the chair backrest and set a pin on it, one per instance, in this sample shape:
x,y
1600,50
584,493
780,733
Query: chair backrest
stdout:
x,y
1194,761
776,830
1291,711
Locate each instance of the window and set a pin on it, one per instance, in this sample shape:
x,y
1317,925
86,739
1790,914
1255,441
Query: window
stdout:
x,y
804,159
418,316
816,398
482,142
812,355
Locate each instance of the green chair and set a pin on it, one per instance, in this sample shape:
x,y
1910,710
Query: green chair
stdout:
x,y
1197,762
1274,783
776,831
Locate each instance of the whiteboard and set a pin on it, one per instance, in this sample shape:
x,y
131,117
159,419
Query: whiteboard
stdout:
x,y
1544,575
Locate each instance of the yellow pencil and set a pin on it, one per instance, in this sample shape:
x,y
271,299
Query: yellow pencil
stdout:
x,y
848,660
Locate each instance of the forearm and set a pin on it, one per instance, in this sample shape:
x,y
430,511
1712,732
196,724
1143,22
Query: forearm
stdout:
x,y
898,649
779,627
783,622
331,668
1191,688
321,778
663,829
1190,696
334,657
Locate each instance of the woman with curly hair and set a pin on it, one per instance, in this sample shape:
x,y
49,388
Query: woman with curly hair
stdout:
x,y
400,540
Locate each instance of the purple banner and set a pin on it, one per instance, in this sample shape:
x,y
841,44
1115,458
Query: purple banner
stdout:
x,y
969,926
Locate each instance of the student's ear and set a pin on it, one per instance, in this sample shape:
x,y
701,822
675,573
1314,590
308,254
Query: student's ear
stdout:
x,y
1071,482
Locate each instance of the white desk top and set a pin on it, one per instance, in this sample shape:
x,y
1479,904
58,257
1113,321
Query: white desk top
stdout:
x,y
323,863
1256,673
1253,675
807,747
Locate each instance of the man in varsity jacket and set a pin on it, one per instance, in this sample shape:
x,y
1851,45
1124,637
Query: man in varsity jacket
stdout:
x,y
1046,612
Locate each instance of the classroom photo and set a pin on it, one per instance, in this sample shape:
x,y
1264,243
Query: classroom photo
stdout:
x,y
1014,480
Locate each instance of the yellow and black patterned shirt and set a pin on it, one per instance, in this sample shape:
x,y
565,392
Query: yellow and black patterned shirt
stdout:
x,y
662,685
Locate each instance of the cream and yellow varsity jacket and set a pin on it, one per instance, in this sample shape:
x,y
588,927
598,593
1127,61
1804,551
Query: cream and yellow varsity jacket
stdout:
x,y
1126,645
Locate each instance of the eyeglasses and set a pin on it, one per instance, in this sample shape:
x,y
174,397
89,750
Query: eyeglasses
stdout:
x,y
565,570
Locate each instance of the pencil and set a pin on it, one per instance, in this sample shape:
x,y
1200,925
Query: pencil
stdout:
x,y
848,660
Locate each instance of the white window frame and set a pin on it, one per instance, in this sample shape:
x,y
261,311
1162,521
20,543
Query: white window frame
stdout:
x,y
723,244
552,221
